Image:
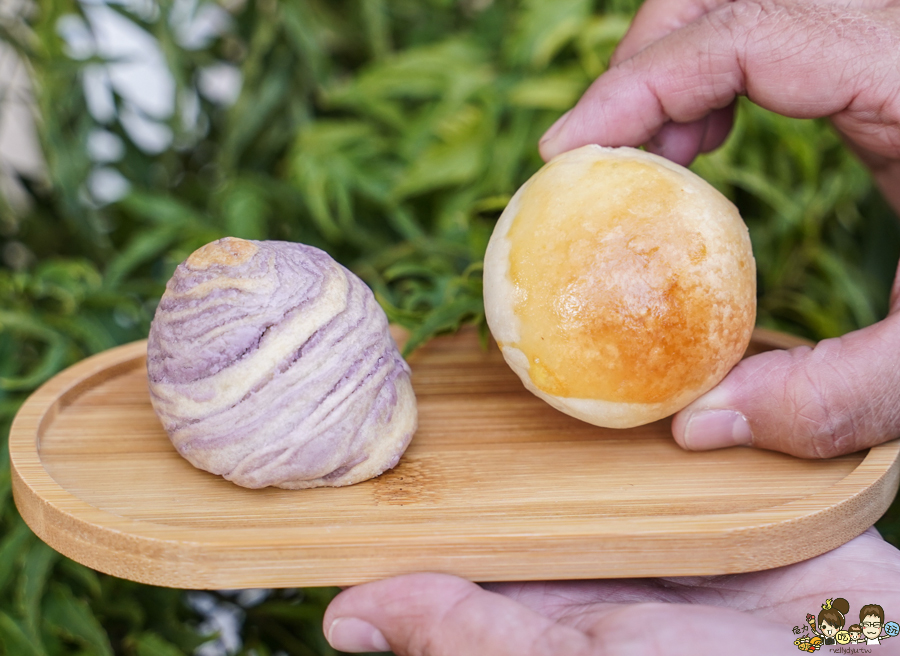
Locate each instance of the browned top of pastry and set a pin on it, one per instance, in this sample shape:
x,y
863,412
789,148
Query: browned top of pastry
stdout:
x,y
629,286
229,251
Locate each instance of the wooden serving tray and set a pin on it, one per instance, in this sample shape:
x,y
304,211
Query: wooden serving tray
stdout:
x,y
496,486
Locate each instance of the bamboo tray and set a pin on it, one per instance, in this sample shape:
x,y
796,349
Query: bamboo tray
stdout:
x,y
495,486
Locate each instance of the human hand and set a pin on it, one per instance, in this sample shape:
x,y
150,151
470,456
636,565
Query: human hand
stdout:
x,y
676,73
672,85
441,615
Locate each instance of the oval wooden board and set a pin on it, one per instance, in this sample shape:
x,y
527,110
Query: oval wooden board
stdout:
x,y
496,486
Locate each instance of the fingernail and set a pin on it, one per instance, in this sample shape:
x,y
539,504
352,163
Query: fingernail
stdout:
x,y
352,635
716,429
555,129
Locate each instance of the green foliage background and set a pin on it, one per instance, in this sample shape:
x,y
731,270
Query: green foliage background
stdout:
x,y
390,134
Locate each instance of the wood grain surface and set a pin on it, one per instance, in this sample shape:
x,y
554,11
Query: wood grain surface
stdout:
x,y
496,486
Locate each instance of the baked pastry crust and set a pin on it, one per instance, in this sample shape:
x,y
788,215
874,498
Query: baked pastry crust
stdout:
x,y
619,285
272,365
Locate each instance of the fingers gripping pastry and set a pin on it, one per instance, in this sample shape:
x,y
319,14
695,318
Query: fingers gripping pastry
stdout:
x,y
619,286
271,364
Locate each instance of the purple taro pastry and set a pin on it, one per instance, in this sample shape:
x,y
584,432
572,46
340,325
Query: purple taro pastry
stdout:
x,y
271,364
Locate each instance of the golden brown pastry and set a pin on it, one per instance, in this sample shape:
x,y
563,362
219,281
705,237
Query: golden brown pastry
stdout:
x,y
619,286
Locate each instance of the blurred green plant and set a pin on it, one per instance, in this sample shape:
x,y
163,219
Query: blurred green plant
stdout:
x,y
390,134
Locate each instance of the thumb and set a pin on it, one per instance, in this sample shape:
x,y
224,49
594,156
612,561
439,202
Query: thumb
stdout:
x,y
841,396
441,615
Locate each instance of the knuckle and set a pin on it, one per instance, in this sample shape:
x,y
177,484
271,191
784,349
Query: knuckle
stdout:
x,y
742,15
821,424
736,26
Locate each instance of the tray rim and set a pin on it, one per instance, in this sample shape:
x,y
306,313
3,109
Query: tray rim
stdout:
x,y
85,533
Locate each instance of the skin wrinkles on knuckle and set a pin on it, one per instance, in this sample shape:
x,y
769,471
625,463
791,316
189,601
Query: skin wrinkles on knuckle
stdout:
x,y
794,34
871,40
877,109
596,112
863,408
761,384
757,382
873,63
872,33
742,22
877,144
649,118
888,400
784,56
885,339
819,401
712,79
785,36
706,80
